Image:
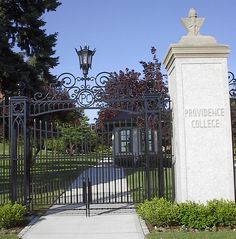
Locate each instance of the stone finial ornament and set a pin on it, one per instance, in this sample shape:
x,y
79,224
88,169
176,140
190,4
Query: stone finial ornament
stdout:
x,y
192,23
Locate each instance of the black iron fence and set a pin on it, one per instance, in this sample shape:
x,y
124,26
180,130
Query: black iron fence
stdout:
x,y
64,159
125,162
4,153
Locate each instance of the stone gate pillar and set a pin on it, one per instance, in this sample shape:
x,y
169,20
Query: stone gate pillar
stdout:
x,y
202,143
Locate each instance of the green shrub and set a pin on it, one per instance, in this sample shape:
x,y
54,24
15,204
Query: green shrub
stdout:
x,y
192,215
160,212
222,212
11,215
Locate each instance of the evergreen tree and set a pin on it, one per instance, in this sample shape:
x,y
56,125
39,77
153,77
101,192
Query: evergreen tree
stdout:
x,y
26,50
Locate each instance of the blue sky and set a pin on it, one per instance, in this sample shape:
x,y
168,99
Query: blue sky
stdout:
x,y
122,31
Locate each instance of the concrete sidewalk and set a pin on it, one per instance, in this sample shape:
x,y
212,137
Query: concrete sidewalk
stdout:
x,y
70,222
109,220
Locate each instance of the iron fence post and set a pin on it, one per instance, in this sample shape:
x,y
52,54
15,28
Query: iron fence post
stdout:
x,y
148,195
161,186
27,159
19,147
13,154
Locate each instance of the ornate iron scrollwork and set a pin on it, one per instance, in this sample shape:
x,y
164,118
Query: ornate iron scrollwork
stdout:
x,y
18,108
81,92
232,85
70,92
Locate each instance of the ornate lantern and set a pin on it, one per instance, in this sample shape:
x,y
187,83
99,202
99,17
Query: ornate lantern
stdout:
x,y
85,59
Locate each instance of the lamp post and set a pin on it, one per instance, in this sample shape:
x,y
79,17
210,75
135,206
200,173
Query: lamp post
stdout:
x,y
85,91
85,59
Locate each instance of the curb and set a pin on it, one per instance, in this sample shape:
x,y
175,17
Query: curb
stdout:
x,y
26,228
143,226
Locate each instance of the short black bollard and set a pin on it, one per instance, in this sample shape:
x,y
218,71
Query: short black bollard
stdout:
x,y
89,191
84,192
87,195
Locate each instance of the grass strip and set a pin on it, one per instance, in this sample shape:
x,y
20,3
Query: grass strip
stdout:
x,y
192,235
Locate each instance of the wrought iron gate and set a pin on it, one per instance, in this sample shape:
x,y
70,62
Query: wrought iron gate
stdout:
x,y
125,158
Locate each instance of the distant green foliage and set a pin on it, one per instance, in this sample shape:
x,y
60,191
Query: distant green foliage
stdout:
x,y
11,215
73,138
103,149
160,212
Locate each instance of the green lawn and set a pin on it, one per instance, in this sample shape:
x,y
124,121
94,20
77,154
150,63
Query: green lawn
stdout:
x,y
193,235
4,148
10,233
138,182
51,174
8,236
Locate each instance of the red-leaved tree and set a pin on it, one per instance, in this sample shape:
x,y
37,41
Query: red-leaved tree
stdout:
x,y
124,91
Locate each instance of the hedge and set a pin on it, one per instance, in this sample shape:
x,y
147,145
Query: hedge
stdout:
x,y
160,212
